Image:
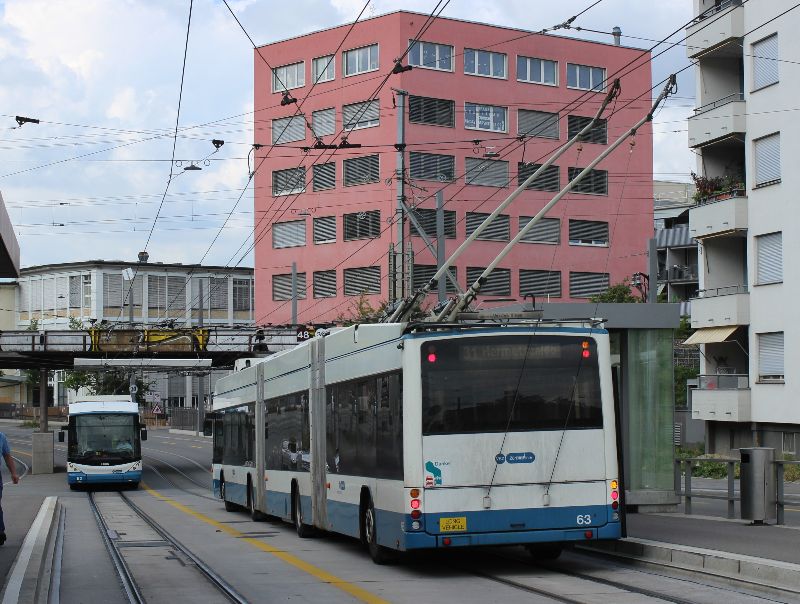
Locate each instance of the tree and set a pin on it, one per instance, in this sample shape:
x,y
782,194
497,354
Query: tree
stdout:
x,y
361,311
619,293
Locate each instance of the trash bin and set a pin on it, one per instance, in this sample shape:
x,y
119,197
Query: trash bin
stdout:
x,y
757,482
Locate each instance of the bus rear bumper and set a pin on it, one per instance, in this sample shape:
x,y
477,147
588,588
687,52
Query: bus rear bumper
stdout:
x,y
83,478
423,540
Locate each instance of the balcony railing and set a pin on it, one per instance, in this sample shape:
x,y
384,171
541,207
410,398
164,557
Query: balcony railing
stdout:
x,y
728,290
736,96
734,192
717,8
734,381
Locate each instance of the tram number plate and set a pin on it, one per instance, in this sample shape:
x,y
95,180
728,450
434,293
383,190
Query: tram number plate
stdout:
x,y
451,525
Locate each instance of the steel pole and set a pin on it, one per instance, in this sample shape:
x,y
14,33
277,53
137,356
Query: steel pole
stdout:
x,y
43,418
401,191
442,285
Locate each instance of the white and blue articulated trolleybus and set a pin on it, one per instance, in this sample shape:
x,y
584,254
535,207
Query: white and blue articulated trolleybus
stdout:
x,y
428,435
104,446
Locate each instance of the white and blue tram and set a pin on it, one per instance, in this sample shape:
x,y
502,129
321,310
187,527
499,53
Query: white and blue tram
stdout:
x,y
428,435
104,446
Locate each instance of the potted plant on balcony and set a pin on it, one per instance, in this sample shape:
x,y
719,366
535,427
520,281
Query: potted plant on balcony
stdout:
x,y
716,188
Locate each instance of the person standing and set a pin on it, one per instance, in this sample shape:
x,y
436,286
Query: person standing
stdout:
x,y
5,450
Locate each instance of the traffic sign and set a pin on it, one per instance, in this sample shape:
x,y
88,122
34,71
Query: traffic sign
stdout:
x,y
157,408
133,388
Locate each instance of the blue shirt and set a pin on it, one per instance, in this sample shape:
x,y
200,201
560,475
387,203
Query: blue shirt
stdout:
x,y
4,450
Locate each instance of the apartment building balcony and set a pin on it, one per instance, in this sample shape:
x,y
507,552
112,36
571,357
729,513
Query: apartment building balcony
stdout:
x,y
719,215
716,30
678,274
722,398
717,121
721,306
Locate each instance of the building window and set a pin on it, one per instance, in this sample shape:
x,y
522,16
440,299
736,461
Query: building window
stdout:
x,y
769,258
288,129
430,166
486,172
325,284
323,122
430,56
588,232
770,357
362,225
360,60
325,229
241,294
324,176
548,180
361,115
427,221
112,290
364,280
594,183
289,182
289,76
87,291
585,77
423,273
546,230
430,111
539,283
282,287
498,230
323,69
537,71
789,443
767,151
484,63
485,117
289,234
765,62
361,170
586,285
166,294
597,134
540,124
498,283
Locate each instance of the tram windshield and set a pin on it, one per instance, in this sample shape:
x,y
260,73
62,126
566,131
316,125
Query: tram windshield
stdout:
x,y
514,383
104,439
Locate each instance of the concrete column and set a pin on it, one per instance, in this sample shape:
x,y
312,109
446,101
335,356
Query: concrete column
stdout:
x,y
187,395
43,444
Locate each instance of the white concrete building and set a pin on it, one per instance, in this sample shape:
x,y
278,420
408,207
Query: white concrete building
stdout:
x,y
747,139
94,291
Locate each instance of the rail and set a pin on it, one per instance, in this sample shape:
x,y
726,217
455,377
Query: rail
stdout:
x,y
732,381
731,98
684,488
717,8
727,290
686,491
732,193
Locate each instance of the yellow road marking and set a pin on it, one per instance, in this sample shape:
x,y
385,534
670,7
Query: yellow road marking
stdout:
x,y
792,509
22,453
323,575
196,447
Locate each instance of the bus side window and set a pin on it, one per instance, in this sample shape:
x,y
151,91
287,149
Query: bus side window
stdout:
x,y
208,427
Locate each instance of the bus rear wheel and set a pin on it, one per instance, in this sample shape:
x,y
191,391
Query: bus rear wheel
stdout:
x,y
255,514
544,551
229,506
303,530
378,553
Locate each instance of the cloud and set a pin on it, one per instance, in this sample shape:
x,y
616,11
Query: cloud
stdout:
x,y
104,78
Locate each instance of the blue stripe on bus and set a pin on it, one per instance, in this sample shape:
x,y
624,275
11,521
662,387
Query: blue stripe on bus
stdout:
x,y
529,330
486,521
81,478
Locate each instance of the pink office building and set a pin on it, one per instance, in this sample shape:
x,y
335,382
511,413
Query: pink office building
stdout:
x,y
482,106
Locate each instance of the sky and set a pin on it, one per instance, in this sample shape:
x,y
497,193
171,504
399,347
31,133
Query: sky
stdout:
x,y
104,79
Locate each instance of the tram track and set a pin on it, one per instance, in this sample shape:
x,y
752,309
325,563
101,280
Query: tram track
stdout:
x,y
177,471
659,596
127,531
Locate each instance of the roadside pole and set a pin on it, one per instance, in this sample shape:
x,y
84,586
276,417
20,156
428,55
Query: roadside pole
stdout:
x,y
43,444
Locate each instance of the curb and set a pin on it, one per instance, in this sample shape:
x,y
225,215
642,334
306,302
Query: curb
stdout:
x,y
761,571
28,580
188,433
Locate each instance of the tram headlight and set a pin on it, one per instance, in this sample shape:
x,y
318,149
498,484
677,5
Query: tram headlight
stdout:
x,y
415,525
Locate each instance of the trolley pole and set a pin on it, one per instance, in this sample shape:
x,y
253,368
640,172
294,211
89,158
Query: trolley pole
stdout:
x,y
442,285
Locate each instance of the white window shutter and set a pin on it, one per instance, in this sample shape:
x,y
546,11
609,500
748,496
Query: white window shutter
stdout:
x,y
769,258
765,62
770,355
767,159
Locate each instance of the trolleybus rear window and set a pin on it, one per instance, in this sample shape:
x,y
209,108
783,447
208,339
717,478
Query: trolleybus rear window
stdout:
x,y
515,383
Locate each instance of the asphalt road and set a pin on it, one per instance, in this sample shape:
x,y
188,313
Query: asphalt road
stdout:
x,y
267,562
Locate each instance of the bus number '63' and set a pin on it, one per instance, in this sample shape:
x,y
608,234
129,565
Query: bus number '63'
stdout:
x,y
583,519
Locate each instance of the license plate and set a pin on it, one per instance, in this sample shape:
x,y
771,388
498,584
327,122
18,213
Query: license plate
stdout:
x,y
450,525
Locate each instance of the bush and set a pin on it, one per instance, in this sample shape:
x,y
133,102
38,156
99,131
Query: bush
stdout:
x,y
708,467
791,472
30,423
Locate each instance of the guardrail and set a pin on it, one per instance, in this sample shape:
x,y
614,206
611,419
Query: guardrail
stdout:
x,y
728,290
687,493
736,96
717,8
730,381
683,468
